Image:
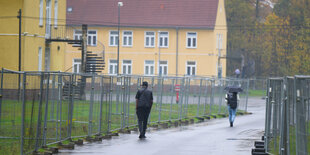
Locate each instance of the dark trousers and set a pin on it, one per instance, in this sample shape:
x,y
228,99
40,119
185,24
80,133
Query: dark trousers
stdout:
x,y
143,115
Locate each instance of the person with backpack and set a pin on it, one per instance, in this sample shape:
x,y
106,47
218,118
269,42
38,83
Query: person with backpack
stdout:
x,y
232,99
144,102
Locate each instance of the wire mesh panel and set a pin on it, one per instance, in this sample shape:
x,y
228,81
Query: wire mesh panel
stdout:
x,y
302,85
10,112
79,94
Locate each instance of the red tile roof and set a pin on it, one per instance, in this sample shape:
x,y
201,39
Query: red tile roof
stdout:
x,y
144,13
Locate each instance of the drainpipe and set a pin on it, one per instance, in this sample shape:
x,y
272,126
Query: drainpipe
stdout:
x,y
177,51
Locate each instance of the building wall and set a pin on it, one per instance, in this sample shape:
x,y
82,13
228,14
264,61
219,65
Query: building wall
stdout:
x,y
205,55
33,35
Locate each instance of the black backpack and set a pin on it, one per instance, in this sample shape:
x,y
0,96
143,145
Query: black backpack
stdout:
x,y
144,99
232,100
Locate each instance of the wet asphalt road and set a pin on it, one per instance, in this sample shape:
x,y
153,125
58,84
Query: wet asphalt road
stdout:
x,y
213,137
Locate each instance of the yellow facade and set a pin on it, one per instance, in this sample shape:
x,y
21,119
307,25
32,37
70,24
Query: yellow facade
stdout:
x,y
205,55
33,35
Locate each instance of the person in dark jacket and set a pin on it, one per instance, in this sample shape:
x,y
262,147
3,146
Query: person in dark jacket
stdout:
x,y
232,102
144,102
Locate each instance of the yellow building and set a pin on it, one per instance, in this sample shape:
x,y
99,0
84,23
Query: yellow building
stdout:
x,y
157,37
39,20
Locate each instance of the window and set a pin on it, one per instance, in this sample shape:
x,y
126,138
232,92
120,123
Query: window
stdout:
x,y
41,13
163,39
190,68
113,67
148,67
55,13
47,58
163,68
149,39
92,38
48,20
40,59
191,40
127,67
77,35
219,44
113,41
127,38
77,65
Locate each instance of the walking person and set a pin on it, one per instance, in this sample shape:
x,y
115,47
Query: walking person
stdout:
x,y
144,102
232,102
232,99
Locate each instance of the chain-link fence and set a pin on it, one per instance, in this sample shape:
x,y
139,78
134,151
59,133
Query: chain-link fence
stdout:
x,y
43,108
287,129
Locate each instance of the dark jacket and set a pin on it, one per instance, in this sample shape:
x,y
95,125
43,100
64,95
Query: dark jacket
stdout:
x,y
144,98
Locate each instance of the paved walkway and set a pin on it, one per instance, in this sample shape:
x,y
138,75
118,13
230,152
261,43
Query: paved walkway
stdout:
x,y
213,137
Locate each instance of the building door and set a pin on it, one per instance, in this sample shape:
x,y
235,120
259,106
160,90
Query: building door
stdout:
x,y
48,18
47,58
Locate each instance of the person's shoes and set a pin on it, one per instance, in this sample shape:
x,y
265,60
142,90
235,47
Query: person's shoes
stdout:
x,y
142,136
231,124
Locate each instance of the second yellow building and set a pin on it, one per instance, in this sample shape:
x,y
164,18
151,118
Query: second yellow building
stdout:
x,y
157,37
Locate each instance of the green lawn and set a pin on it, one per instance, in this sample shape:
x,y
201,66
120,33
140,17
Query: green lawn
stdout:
x,y
58,130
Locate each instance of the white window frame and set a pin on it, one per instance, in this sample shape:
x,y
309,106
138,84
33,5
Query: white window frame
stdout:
x,y
115,36
78,35
78,64
48,20
128,67
127,37
91,37
41,13
191,40
151,68
40,55
150,37
219,41
162,65
55,13
114,65
191,70
164,36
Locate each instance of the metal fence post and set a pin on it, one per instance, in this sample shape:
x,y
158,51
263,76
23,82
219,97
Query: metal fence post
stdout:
x,y
212,95
1,93
268,91
53,98
181,98
40,113
23,114
71,105
59,105
188,84
198,105
110,104
128,100
90,116
172,94
206,98
160,89
247,95
101,104
46,109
